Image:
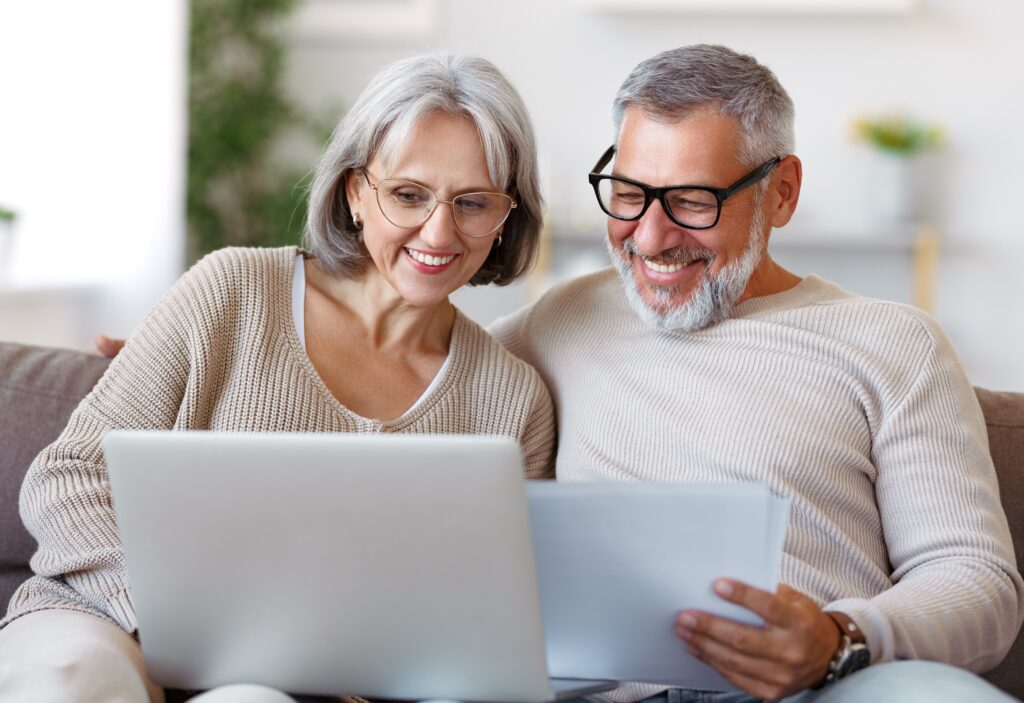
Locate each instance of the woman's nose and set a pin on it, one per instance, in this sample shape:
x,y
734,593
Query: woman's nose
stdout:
x,y
439,229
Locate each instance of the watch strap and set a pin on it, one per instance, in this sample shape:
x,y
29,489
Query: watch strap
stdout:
x,y
852,654
847,628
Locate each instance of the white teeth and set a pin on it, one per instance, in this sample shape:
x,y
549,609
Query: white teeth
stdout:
x,y
664,268
428,259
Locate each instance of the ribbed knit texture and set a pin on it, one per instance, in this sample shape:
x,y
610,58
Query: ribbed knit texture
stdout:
x,y
858,410
220,352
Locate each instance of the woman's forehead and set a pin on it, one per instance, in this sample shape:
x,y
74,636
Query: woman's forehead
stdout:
x,y
437,149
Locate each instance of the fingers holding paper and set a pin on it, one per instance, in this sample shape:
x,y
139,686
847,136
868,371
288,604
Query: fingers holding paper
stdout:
x,y
789,653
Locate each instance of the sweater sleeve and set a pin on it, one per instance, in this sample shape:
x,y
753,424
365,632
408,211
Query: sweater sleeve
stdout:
x,y
539,436
65,500
957,596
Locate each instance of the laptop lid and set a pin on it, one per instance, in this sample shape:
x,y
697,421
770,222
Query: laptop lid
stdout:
x,y
388,566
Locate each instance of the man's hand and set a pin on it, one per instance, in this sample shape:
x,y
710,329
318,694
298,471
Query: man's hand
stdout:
x,y
107,346
788,654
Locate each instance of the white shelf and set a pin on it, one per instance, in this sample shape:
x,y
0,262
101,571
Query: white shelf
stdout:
x,y
902,240
758,7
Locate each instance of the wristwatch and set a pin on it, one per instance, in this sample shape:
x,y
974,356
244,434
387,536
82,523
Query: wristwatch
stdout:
x,y
853,653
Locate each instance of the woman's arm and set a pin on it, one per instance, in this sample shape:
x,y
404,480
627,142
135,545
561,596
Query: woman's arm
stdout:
x,y
539,440
65,498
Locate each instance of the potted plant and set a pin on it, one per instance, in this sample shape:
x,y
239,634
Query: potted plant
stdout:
x,y
896,182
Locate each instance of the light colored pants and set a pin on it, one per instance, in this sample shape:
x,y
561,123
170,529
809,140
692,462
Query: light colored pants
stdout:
x,y
62,656
904,681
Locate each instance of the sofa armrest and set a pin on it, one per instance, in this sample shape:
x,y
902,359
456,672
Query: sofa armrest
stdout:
x,y
39,388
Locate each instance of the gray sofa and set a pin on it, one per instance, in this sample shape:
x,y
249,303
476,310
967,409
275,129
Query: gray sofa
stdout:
x,y
40,387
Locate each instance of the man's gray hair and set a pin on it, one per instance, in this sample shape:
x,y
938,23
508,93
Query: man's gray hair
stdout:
x,y
379,124
676,83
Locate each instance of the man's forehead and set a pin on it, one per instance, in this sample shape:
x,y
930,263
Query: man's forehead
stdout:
x,y
705,143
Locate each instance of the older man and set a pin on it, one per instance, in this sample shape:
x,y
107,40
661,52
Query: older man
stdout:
x,y
698,357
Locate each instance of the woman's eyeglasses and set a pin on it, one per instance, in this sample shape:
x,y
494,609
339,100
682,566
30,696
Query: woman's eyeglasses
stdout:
x,y
407,204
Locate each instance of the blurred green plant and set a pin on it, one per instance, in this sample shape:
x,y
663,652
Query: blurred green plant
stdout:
x,y
240,192
7,215
897,134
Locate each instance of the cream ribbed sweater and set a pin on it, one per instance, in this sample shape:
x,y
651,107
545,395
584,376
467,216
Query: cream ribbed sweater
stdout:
x,y
858,410
220,352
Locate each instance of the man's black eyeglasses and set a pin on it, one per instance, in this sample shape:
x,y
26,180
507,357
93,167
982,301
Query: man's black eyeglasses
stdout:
x,y
692,207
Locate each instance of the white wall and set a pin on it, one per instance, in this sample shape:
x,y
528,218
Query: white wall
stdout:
x,y
92,136
92,149
955,62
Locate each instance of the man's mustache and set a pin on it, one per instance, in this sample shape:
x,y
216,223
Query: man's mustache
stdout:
x,y
676,254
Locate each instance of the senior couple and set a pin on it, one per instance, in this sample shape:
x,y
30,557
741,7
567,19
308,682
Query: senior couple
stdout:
x,y
695,357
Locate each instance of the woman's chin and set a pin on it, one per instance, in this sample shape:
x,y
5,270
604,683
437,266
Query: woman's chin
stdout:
x,y
422,297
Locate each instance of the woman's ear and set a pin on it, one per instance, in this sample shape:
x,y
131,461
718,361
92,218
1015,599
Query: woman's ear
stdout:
x,y
354,183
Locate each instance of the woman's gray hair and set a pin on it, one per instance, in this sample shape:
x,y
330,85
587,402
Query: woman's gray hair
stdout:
x,y
676,83
378,125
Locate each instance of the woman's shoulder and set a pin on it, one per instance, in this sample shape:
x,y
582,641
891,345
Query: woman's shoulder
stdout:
x,y
226,283
231,264
238,271
484,355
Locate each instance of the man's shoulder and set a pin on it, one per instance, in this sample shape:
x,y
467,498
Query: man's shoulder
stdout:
x,y
856,317
566,305
489,359
824,299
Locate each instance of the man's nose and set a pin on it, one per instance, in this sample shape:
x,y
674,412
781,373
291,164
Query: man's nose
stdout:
x,y
655,232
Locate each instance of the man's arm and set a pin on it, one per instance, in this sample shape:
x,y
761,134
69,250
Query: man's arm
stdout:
x,y
956,595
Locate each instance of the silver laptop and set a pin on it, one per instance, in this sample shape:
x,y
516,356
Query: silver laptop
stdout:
x,y
387,566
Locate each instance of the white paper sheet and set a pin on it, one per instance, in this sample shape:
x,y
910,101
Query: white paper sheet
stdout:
x,y
616,562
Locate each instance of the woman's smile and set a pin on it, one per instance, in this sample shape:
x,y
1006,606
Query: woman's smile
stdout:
x,y
429,262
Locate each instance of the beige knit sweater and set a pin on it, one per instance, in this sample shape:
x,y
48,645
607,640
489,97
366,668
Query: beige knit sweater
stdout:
x,y
221,352
858,410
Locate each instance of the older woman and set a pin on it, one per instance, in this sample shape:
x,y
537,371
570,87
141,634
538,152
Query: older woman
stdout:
x,y
428,184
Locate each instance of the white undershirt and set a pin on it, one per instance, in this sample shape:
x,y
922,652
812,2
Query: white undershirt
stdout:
x,y
299,317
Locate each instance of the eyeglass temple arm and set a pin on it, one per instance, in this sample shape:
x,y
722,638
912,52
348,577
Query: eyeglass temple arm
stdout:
x,y
751,179
603,161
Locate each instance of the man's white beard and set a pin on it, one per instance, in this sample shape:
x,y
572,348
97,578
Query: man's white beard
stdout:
x,y
716,294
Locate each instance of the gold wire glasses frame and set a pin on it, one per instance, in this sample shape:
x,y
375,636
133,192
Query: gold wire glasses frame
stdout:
x,y
407,204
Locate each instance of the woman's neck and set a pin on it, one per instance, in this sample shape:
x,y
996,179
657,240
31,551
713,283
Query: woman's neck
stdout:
x,y
388,321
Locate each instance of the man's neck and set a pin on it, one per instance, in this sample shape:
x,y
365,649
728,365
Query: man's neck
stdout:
x,y
768,278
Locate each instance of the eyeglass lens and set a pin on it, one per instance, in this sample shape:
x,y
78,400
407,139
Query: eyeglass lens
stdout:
x,y
689,206
407,204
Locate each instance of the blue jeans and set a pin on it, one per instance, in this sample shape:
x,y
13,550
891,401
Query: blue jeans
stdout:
x,y
901,682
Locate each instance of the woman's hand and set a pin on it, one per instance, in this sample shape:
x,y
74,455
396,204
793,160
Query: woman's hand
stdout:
x,y
788,654
107,346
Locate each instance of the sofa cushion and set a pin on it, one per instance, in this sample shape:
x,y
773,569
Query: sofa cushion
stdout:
x,y
38,390
40,387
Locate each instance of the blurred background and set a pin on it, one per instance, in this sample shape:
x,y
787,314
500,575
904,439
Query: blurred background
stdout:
x,y
134,136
